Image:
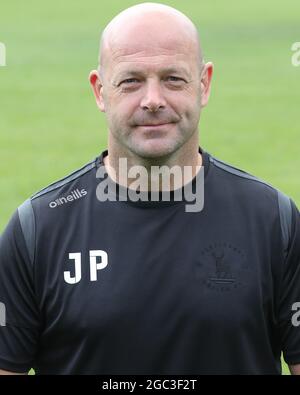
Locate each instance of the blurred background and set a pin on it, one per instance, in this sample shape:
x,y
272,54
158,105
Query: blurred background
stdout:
x,y
49,122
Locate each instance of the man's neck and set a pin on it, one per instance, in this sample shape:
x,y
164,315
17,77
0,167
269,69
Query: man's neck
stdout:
x,y
154,174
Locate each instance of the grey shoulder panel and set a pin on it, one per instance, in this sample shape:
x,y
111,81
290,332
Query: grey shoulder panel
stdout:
x,y
65,180
285,213
27,221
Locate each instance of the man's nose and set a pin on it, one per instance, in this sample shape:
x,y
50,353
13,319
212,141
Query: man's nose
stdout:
x,y
153,100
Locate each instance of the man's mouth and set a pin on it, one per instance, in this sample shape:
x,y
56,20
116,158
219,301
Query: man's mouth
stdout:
x,y
153,125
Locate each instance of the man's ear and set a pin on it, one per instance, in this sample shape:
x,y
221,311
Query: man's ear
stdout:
x,y
206,76
97,87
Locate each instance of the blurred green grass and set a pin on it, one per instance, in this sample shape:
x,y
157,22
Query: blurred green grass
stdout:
x,y
49,124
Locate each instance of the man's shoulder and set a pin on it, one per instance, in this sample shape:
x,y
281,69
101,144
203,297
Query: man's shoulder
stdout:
x,y
240,175
62,183
242,181
258,192
60,193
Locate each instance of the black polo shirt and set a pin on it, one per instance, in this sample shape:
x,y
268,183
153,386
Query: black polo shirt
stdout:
x,y
123,287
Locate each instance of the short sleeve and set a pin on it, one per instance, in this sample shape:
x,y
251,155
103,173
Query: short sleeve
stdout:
x,y
289,306
19,329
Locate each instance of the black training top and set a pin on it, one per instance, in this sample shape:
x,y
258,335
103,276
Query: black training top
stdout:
x,y
116,287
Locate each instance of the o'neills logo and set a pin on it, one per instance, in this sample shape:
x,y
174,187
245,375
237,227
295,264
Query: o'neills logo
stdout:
x,y
74,195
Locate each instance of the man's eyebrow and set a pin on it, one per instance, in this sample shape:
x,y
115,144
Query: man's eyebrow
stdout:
x,y
176,70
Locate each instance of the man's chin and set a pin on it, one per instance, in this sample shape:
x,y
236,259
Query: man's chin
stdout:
x,y
154,149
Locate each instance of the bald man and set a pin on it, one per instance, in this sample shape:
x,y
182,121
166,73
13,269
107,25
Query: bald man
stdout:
x,y
96,283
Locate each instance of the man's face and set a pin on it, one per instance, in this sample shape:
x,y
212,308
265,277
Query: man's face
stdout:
x,y
151,91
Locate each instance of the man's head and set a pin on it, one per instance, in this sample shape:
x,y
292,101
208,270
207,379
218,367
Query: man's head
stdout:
x,y
151,72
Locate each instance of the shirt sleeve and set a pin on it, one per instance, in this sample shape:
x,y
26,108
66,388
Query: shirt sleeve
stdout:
x,y
19,315
289,306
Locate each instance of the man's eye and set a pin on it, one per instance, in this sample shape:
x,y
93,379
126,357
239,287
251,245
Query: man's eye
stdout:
x,y
130,81
174,79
